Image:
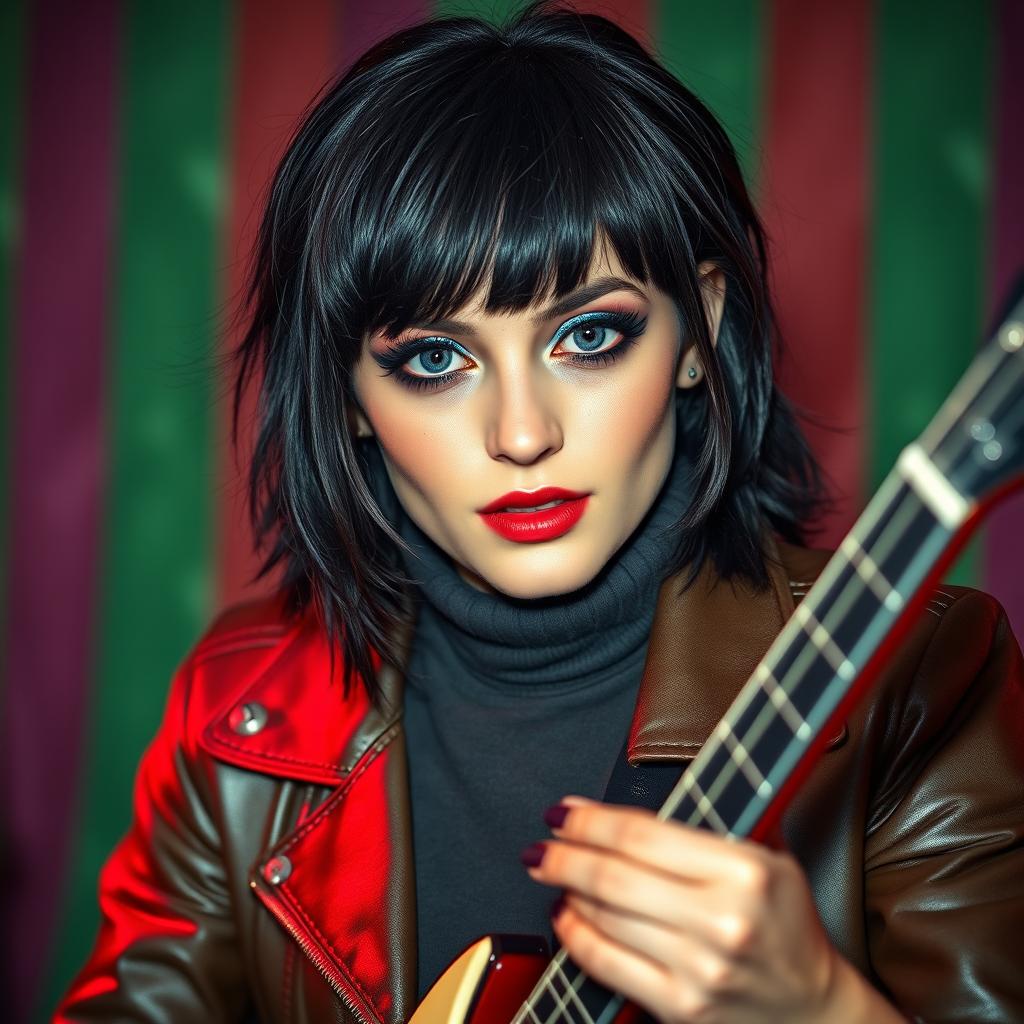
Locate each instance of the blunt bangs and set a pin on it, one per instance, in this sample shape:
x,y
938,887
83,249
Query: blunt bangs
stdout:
x,y
459,158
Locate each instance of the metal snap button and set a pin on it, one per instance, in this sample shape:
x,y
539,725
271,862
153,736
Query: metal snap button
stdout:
x,y
277,869
248,719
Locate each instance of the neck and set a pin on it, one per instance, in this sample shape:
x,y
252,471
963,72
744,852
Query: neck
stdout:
x,y
567,639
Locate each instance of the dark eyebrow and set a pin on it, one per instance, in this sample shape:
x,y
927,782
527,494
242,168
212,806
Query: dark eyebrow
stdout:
x,y
579,297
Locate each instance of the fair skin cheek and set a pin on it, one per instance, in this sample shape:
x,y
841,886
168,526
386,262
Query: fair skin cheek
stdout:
x,y
522,417
722,942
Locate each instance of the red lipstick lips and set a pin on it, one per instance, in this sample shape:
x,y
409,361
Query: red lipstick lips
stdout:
x,y
521,516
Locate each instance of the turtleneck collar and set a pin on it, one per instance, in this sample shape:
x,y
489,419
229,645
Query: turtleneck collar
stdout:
x,y
573,639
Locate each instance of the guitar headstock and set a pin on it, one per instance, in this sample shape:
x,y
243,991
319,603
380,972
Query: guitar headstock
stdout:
x,y
976,440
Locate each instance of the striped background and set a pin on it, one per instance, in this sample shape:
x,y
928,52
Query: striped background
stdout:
x,y
884,143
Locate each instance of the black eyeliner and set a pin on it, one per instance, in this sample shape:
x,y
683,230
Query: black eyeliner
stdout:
x,y
629,323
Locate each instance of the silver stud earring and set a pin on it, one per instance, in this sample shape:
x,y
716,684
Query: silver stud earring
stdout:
x,y
692,373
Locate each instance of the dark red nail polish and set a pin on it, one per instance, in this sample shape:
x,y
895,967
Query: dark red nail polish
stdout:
x,y
554,817
533,855
557,907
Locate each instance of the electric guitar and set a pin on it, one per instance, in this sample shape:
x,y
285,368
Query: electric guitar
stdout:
x,y
828,653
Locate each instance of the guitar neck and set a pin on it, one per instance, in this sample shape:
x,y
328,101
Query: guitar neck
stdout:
x,y
831,646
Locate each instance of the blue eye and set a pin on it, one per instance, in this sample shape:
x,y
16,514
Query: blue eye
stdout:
x,y
424,362
432,361
588,340
591,338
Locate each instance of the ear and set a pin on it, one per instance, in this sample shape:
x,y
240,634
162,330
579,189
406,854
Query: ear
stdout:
x,y
358,424
712,287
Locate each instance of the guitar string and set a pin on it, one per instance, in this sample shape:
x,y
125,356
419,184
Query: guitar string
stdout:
x,y
805,657
951,411
694,770
891,483
767,714
833,571
894,482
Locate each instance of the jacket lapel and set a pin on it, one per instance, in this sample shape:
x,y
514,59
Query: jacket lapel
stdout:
x,y
705,642
341,881
360,927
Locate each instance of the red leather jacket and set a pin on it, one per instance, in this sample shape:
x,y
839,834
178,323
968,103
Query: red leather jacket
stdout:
x,y
268,868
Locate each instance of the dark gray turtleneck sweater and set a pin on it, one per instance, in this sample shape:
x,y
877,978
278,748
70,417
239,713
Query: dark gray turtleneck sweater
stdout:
x,y
509,706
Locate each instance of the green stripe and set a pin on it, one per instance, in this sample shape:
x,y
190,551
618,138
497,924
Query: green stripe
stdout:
x,y
931,185
157,580
13,36
717,50
490,10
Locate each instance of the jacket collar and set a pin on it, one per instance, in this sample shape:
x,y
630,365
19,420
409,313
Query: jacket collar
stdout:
x,y
705,641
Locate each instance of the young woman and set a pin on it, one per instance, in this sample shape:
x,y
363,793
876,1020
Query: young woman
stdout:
x,y
539,506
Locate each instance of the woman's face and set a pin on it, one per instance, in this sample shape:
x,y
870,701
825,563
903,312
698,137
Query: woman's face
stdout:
x,y
477,418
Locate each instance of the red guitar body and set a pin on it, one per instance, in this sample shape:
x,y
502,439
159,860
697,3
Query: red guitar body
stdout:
x,y
490,982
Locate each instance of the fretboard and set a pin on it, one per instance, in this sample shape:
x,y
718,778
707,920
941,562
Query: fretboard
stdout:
x,y
971,448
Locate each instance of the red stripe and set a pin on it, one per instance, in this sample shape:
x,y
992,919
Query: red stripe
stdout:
x,y
635,16
58,464
360,25
1004,562
280,64
816,208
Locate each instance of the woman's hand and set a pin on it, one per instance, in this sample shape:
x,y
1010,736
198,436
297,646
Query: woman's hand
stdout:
x,y
693,926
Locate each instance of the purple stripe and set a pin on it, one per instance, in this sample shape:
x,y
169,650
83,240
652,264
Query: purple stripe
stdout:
x,y
1004,563
360,25
60,331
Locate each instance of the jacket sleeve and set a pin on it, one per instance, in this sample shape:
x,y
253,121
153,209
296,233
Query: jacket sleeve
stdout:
x,y
166,948
945,849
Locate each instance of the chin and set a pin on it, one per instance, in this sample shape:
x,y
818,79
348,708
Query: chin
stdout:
x,y
530,579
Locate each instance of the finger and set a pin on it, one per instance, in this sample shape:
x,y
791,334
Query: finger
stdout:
x,y
677,951
669,846
635,888
638,978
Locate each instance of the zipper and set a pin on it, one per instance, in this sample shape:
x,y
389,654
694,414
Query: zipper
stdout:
x,y
322,964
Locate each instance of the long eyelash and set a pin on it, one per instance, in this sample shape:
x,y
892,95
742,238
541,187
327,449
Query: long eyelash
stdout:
x,y
629,323
392,361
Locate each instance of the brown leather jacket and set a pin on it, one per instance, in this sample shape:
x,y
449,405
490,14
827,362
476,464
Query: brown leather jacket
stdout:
x,y
268,868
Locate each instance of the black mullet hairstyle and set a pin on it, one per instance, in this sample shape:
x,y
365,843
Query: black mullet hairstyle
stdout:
x,y
455,153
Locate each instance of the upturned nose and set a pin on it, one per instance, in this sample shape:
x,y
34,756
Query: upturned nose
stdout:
x,y
523,426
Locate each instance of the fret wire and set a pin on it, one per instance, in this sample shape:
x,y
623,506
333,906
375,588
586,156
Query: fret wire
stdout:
x,y
555,965
831,574
822,639
839,607
892,601
779,699
871,574
903,512
739,753
876,508
706,809
560,1010
762,720
574,995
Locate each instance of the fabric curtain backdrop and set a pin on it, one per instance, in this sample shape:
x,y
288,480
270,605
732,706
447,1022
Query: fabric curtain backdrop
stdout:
x,y
136,141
